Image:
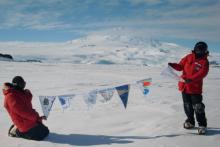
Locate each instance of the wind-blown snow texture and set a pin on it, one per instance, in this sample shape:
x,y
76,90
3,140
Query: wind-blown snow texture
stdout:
x,y
154,121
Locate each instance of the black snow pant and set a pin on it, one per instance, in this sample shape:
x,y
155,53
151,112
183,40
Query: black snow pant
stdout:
x,y
193,104
39,132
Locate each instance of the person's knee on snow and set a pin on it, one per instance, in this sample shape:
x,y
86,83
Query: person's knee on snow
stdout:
x,y
12,132
38,133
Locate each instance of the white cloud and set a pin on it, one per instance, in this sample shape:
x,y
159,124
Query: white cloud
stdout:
x,y
188,2
181,18
149,2
42,19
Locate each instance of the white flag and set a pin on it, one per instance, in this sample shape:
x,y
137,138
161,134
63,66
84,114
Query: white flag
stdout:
x,y
90,98
144,85
107,94
46,104
169,72
65,100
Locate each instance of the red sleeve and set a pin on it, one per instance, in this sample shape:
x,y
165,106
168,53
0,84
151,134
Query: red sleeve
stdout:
x,y
18,108
201,73
179,66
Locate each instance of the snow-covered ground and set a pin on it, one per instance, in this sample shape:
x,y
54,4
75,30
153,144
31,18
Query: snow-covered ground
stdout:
x,y
154,121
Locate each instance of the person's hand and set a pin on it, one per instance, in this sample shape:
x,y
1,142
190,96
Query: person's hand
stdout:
x,y
182,80
43,118
6,86
188,81
27,90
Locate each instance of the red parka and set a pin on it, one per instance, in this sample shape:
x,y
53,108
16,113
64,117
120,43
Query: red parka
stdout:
x,y
193,69
18,104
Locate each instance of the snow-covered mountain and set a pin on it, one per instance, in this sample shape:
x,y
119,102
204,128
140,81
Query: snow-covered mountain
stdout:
x,y
100,49
97,49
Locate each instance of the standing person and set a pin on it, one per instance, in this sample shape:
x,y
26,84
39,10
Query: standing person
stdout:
x,y
26,121
195,67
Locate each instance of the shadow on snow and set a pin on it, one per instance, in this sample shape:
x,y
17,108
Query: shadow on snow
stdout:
x,y
89,140
210,131
213,131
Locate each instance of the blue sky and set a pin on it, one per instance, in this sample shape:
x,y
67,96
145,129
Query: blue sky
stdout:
x,y
178,21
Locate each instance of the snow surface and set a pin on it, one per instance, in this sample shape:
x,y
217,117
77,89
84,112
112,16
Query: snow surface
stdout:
x,y
153,121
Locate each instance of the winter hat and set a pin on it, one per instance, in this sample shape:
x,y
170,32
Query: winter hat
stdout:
x,y
18,82
201,48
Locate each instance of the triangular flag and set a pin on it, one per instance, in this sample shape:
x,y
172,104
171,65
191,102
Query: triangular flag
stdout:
x,y
144,85
123,92
90,98
46,104
65,100
107,94
169,72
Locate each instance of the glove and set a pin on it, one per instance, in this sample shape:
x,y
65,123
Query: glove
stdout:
x,y
171,64
188,81
43,118
6,86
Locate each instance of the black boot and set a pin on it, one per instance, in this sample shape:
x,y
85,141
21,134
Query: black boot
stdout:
x,y
188,125
12,132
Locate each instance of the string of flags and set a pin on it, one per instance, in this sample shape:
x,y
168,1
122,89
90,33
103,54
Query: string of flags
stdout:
x,y
90,97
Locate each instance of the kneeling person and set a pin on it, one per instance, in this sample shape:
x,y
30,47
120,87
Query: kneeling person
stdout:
x,y
26,121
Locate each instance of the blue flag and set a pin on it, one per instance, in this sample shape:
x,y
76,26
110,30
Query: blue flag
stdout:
x,y
123,92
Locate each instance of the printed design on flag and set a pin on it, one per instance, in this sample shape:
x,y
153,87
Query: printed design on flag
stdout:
x,y
65,100
90,98
62,101
46,101
107,94
123,92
